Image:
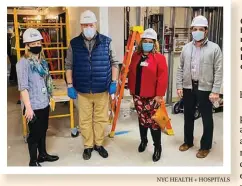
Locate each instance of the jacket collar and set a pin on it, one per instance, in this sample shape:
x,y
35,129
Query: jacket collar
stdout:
x,y
203,43
97,39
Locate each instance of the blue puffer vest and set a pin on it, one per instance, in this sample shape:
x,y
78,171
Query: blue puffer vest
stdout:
x,y
91,72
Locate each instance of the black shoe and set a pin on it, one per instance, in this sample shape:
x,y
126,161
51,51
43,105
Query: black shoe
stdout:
x,y
87,153
34,164
47,157
43,155
157,153
142,146
101,150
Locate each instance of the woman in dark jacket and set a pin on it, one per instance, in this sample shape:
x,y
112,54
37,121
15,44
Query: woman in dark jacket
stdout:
x,y
148,81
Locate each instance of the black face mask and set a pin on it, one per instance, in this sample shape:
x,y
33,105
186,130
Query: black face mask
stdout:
x,y
36,49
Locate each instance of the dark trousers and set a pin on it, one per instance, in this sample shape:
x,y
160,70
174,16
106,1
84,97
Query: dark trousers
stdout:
x,y
191,98
37,133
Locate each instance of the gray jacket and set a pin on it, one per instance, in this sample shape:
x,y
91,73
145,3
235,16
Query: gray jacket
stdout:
x,y
210,70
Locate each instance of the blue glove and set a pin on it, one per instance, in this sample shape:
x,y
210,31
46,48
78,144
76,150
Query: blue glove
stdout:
x,y
113,88
72,93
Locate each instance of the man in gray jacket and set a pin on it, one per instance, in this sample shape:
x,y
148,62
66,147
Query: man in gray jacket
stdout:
x,y
199,80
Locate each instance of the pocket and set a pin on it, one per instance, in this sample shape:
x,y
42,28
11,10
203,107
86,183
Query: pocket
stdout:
x,y
207,72
208,56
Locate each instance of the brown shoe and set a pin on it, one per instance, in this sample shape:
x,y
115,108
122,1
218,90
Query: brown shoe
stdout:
x,y
202,153
185,147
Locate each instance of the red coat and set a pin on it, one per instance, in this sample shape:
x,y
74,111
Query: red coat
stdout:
x,y
154,78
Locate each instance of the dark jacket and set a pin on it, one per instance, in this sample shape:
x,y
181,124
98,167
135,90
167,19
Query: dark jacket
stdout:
x,y
91,70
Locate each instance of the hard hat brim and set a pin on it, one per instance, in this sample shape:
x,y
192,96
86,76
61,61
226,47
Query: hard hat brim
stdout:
x,y
148,38
31,41
88,22
199,25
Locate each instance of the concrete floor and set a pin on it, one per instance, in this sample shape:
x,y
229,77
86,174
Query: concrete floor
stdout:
x,y
122,148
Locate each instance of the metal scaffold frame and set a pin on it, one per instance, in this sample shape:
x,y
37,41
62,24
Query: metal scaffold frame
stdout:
x,y
59,96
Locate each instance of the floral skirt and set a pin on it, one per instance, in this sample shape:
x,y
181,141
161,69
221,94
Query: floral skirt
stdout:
x,y
146,108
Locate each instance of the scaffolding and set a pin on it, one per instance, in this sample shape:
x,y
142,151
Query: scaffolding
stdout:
x,y
60,88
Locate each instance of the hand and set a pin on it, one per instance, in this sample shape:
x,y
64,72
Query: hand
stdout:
x,y
180,93
112,88
158,99
213,97
29,114
72,93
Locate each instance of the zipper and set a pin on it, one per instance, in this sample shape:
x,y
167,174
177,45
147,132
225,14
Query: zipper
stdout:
x,y
90,61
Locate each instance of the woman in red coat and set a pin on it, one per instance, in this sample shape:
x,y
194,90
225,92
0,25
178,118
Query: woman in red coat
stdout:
x,y
147,81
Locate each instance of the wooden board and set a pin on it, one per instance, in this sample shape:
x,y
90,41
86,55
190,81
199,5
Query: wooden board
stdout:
x,y
60,90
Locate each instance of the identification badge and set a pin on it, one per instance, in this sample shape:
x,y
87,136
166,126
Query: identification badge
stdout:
x,y
144,64
44,90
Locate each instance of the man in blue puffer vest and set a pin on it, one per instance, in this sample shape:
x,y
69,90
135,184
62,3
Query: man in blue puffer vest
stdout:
x,y
91,74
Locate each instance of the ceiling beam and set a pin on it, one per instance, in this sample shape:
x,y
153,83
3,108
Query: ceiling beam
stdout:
x,y
27,12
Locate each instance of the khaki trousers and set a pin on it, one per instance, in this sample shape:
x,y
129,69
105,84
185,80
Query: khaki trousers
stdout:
x,y
93,117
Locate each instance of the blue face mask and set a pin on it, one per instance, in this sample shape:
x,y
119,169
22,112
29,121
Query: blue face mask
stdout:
x,y
198,35
147,47
89,32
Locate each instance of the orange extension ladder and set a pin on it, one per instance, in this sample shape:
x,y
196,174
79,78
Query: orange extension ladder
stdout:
x,y
47,43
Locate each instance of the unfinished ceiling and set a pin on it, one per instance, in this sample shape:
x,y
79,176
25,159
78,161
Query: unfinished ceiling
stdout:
x,y
29,10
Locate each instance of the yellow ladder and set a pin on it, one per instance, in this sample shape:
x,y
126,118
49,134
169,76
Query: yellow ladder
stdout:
x,y
59,82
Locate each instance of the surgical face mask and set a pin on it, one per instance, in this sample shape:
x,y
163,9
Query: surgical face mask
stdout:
x,y
89,32
198,35
147,47
35,50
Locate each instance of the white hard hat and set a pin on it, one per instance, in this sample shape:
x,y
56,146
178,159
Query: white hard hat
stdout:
x,y
149,34
200,21
31,35
88,17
